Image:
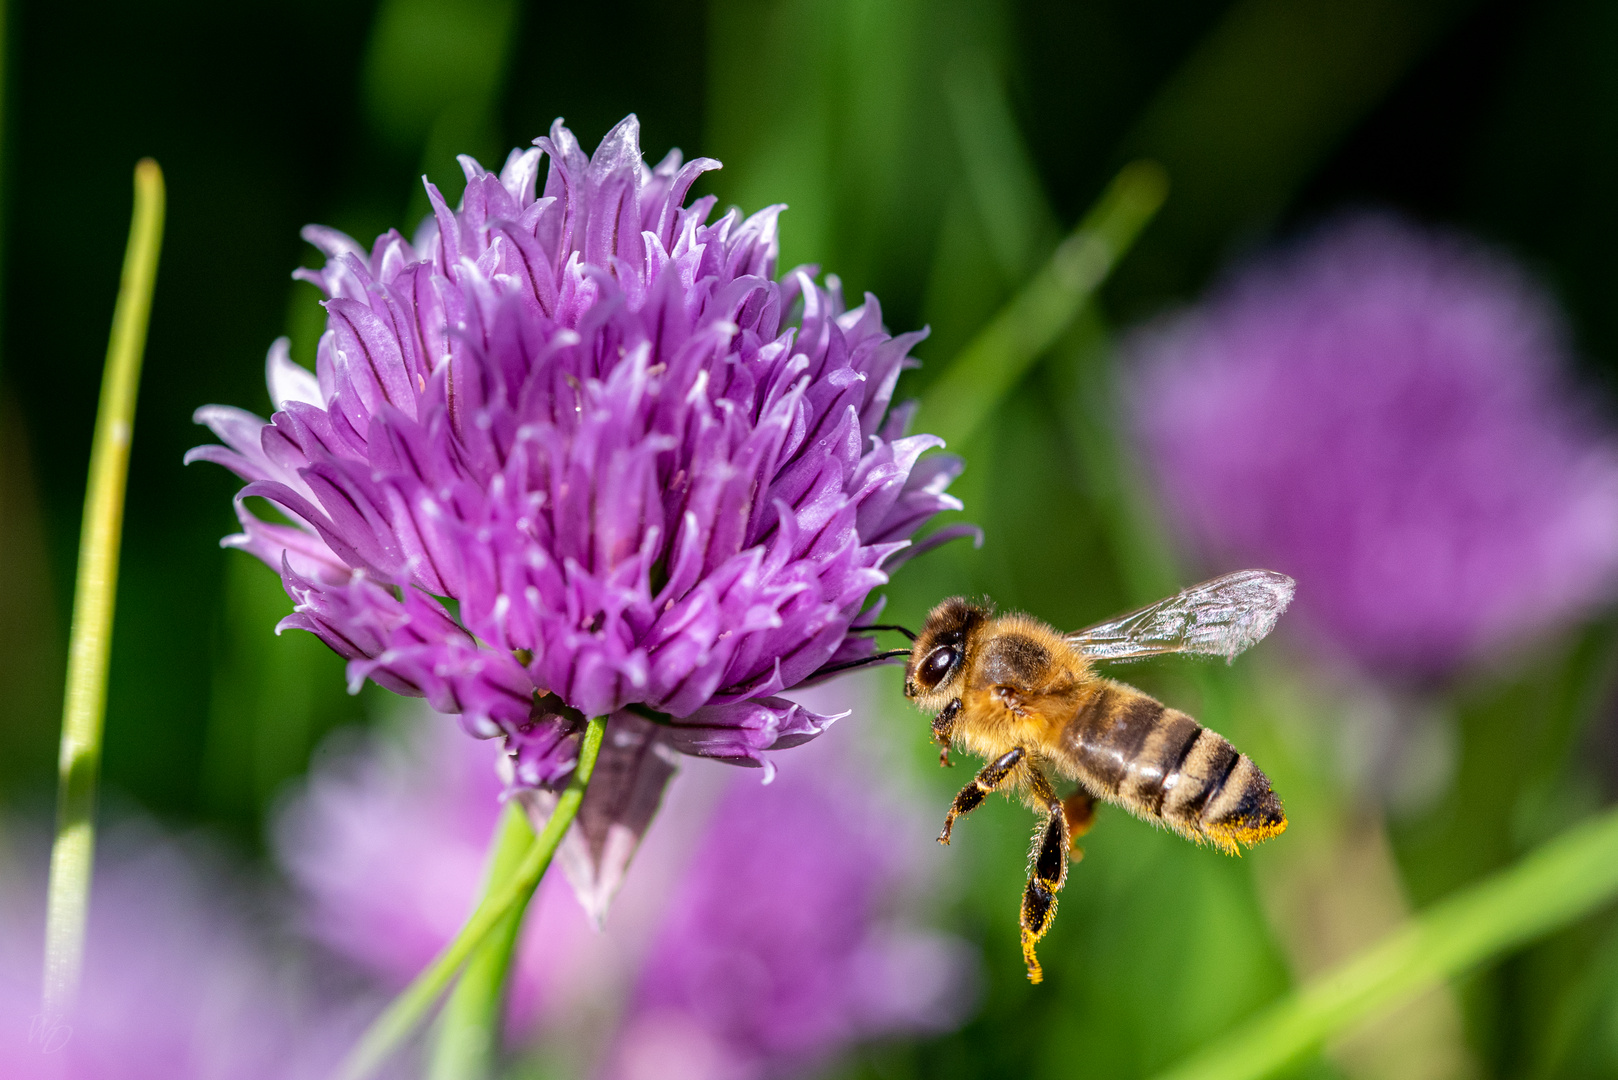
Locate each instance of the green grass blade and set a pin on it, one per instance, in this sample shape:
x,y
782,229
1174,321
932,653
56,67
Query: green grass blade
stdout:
x,y
389,1031
1562,880
90,645
1000,176
997,358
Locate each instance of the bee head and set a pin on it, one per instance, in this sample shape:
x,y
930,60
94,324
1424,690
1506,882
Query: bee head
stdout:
x,y
939,655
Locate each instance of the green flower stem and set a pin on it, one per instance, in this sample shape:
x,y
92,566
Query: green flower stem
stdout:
x,y
468,1033
1560,881
401,1017
1002,352
84,709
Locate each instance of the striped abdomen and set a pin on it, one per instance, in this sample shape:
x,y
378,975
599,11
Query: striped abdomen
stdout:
x,y
1162,765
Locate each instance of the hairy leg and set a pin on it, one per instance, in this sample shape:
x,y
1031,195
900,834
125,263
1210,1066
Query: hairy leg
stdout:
x,y
1047,872
944,729
988,778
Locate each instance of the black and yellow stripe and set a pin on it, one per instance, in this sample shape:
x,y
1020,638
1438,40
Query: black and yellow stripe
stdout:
x,y
1162,765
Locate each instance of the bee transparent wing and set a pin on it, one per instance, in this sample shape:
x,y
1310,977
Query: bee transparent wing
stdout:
x,y
1221,617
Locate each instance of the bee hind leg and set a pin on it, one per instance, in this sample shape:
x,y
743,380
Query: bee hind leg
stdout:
x,y
1047,873
988,778
1080,810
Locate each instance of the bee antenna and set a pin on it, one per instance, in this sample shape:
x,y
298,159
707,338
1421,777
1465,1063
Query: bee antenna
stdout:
x,y
880,657
886,626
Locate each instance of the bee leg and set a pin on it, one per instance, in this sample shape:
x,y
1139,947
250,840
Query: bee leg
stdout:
x,y
988,778
944,728
1080,811
1047,872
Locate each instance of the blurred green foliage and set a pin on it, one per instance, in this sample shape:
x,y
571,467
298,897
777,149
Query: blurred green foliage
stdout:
x,y
936,154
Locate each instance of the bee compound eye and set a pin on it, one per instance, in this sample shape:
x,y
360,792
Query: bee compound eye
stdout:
x,y
937,665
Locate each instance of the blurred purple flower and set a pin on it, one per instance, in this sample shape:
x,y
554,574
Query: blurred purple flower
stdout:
x,y
647,473
175,985
1384,413
792,888
780,946
387,845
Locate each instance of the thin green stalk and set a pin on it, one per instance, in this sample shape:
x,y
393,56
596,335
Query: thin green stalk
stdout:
x,y
468,1033
1560,881
401,1017
1002,352
84,709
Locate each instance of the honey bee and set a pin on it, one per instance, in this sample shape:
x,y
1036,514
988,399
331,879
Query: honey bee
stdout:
x,y
1026,698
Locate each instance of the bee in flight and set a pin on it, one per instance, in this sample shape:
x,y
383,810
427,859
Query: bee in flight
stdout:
x,y
1026,698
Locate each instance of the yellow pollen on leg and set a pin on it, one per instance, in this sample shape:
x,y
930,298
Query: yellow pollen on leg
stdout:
x,y
1036,974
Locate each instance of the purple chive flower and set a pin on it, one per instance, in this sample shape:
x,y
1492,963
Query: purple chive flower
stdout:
x,y
176,986
647,473
1383,412
781,945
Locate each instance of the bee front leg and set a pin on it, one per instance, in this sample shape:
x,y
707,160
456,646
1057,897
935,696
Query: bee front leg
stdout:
x,y
988,778
944,729
1047,873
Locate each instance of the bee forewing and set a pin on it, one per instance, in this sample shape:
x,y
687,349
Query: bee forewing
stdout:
x,y
1221,617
